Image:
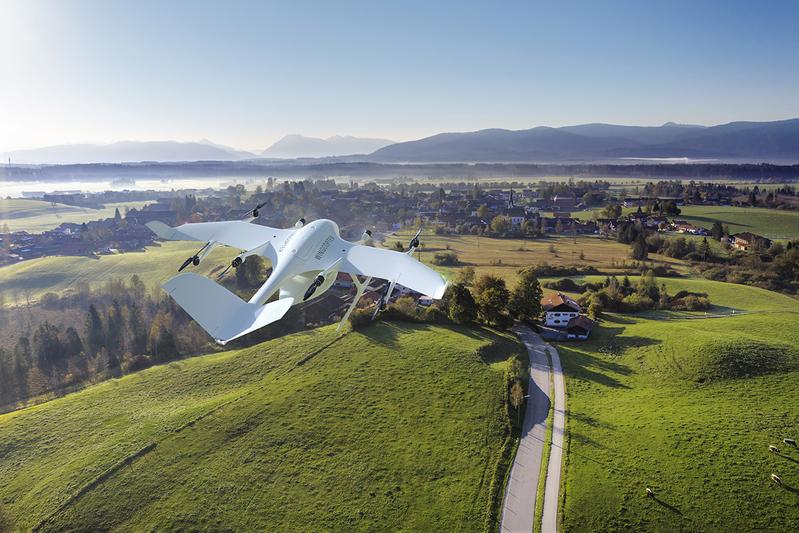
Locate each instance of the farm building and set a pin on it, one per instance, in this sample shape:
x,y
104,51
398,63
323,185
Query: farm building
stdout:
x,y
579,327
559,309
748,241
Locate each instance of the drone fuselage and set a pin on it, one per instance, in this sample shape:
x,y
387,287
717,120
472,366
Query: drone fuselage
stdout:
x,y
318,241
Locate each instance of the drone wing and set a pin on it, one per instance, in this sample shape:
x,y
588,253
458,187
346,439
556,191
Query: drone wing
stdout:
x,y
394,266
237,234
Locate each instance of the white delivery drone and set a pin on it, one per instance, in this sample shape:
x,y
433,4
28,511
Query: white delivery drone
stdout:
x,y
305,260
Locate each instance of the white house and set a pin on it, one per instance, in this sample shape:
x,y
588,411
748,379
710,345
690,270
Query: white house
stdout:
x,y
559,309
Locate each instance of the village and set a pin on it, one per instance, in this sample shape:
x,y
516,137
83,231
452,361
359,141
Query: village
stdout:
x,y
501,210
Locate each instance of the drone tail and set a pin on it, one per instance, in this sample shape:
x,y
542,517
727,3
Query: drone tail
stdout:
x,y
221,313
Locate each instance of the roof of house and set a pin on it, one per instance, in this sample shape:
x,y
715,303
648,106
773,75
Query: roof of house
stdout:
x,y
582,322
557,300
749,236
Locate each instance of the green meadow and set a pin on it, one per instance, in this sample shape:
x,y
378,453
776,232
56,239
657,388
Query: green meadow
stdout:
x,y
36,216
154,265
687,406
771,223
398,427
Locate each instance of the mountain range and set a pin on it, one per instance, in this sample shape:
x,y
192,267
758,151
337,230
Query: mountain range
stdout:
x,y
776,142
772,141
296,146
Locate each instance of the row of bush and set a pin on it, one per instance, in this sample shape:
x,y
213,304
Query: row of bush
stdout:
x,y
487,301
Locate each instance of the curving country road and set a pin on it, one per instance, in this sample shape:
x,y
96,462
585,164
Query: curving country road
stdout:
x,y
518,508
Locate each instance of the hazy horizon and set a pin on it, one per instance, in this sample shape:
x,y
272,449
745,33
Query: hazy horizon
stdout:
x,y
246,74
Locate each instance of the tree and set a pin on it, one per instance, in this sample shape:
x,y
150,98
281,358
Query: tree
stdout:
x,y
462,307
525,302
465,276
115,329
612,211
704,249
516,399
717,232
95,335
482,211
639,248
46,346
138,333
73,346
491,297
500,224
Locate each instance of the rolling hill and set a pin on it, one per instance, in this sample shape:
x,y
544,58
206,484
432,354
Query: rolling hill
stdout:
x,y
774,141
398,427
687,406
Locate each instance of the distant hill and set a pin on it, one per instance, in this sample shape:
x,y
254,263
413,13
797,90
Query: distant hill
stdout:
x,y
294,146
772,141
127,152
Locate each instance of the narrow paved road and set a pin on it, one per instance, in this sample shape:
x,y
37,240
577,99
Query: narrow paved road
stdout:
x,y
549,521
518,508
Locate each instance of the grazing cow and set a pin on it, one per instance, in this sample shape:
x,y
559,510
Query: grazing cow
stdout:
x,y
650,493
773,449
789,442
776,479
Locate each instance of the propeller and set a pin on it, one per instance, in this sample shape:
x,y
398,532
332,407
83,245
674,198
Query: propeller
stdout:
x,y
314,285
381,303
195,259
255,210
415,241
236,263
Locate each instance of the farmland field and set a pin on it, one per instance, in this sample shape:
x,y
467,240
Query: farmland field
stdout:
x,y
651,403
395,428
504,257
36,216
771,223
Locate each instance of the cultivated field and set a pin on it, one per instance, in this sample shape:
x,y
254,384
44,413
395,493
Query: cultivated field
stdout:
x,y
396,428
36,216
667,402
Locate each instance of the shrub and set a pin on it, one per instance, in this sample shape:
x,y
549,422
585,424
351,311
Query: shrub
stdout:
x,y
436,315
403,308
360,318
445,259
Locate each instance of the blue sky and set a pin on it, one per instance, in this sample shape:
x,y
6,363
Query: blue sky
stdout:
x,y
247,73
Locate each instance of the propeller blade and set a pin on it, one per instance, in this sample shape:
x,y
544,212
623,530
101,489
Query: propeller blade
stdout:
x,y
186,263
222,274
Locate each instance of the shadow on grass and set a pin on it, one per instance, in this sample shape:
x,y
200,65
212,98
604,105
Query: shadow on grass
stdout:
x,y
788,458
790,488
667,506
588,420
710,220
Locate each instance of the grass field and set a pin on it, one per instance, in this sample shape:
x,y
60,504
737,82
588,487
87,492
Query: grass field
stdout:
x,y
55,274
395,428
504,257
642,414
158,263
36,216
771,223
